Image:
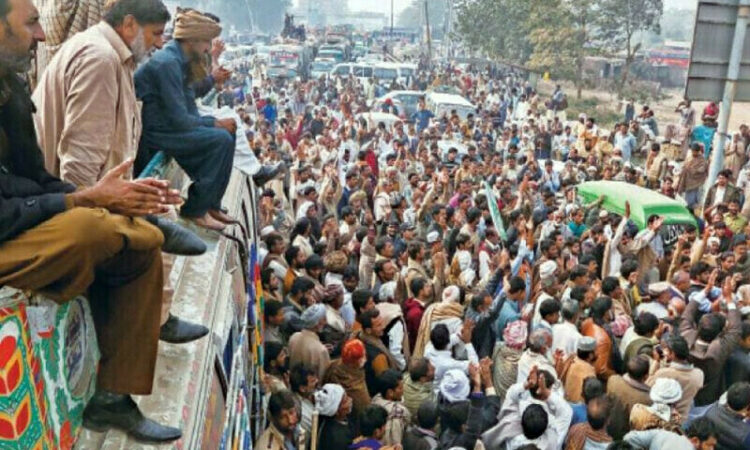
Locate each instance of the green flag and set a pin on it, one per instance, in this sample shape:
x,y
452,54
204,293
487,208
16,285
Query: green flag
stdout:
x,y
494,211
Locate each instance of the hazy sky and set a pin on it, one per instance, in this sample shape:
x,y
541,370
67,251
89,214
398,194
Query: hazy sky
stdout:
x,y
384,6
680,4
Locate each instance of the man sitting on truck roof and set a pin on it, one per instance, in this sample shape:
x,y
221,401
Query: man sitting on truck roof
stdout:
x,y
61,242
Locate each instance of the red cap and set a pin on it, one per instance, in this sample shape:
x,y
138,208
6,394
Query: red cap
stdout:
x,y
353,351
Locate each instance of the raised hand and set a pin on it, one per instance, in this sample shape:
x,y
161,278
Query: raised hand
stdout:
x,y
467,331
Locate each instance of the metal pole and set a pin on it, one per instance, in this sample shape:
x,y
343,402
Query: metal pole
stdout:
x,y
730,88
391,19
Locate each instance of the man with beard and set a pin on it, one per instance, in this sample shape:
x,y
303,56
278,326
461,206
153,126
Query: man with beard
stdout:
x,y
62,242
202,145
88,120
283,431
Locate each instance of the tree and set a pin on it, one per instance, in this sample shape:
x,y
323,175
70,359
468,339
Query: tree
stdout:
x,y
619,22
495,27
560,35
553,37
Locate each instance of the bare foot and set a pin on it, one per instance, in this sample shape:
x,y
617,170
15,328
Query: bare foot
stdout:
x,y
223,217
208,222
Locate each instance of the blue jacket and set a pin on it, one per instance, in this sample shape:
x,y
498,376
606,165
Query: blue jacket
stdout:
x,y
422,118
168,96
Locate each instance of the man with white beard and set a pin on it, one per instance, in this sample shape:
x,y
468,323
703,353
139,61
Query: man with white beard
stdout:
x,y
88,120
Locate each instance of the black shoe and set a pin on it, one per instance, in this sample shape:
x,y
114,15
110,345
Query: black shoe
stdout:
x,y
178,331
266,173
106,411
178,240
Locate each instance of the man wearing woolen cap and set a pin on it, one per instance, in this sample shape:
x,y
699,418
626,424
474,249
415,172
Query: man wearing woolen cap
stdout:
x,y
202,145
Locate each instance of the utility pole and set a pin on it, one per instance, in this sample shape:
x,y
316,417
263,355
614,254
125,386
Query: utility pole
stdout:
x,y
429,36
391,19
730,88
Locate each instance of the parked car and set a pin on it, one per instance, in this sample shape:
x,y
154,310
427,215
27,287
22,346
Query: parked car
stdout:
x,y
321,67
407,102
363,72
445,103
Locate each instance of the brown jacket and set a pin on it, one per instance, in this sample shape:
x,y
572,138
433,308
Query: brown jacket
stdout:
x,y
624,392
604,345
690,379
572,372
272,439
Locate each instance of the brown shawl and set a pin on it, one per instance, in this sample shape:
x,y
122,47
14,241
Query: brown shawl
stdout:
x,y
580,432
434,313
694,172
353,382
390,312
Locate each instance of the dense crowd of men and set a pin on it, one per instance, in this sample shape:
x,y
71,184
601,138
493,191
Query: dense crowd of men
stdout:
x,y
433,282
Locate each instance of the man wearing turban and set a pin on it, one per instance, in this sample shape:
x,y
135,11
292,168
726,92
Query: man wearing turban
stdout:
x,y
202,145
334,407
349,372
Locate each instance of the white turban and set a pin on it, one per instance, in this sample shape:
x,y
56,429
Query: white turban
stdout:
x,y
464,260
666,391
328,399
451,294
313,315
455,386
302,211
387,291
547,269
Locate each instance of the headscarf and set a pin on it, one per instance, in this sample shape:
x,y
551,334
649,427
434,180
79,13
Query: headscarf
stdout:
x,y
331,292
515,333
192,24
313,315
666,391
353,351
454,386
451,294
328,399
547,269
302,211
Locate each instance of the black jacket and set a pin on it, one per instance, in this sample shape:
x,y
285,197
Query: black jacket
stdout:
x,y
483,411
416,439
29,195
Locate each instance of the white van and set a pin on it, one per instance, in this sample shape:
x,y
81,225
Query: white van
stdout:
x,y
440,103
362,72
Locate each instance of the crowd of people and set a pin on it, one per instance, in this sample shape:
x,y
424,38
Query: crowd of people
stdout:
x,y
400,311
431,283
